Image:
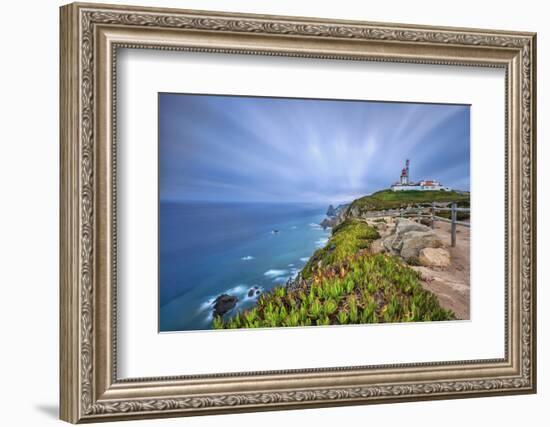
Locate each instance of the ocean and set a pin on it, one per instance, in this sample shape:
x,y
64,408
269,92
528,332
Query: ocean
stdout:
x,y
208,249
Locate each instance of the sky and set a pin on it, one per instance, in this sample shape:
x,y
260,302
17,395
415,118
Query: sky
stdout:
x,y
253,149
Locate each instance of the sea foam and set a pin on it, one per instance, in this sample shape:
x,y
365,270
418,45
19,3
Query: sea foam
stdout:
x,y
238,290
321,242
275,273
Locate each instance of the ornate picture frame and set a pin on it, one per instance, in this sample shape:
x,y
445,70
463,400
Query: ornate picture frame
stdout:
x,y
90,37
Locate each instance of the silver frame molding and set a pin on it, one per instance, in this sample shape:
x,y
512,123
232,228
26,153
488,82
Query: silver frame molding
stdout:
x,y
90,37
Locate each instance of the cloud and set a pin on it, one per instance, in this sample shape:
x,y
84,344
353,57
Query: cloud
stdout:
x,y
230,148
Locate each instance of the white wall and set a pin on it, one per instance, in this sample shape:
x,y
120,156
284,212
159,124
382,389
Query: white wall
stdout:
x,y
29,214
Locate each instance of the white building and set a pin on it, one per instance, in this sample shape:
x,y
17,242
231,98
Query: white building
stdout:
x,y
405,184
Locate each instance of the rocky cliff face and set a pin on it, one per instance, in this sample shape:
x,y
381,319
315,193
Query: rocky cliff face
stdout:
x,y
356,212
335,216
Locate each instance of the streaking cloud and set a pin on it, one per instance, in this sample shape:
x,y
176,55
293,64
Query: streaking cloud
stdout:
x,y
230,148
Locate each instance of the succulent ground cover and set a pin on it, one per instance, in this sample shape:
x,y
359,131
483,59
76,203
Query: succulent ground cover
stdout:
x,y
343,283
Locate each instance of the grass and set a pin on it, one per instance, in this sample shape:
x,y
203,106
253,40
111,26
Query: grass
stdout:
x,y
345,284
388,199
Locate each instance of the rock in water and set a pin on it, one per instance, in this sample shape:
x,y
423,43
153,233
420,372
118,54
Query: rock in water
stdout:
x,y
223,304
435,257
255,290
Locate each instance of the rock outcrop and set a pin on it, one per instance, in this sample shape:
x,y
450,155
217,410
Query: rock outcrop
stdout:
x,y
434,257
415,241
335,216
329,222
410,238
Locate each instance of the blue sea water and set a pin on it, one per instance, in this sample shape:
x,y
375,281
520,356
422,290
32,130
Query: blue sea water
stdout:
x,y
207,249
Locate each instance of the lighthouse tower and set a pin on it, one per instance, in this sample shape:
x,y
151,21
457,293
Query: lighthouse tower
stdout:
x,y
405,174
405,183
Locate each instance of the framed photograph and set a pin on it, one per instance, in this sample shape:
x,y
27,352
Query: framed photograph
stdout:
x,y
266,212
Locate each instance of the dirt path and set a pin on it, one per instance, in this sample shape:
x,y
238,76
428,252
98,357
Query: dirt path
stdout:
x,y
451,284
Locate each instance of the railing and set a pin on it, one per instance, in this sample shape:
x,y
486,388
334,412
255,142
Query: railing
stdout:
x,y
429,213
454,222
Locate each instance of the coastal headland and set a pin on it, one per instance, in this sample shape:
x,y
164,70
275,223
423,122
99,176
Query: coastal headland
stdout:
x,y
377,267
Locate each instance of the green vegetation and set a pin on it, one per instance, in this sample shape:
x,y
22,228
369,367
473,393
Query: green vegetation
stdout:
x,y
347,239
388,199
345,284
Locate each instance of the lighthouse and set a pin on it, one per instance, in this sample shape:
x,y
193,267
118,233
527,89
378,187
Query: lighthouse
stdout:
x,y
405,183
405,174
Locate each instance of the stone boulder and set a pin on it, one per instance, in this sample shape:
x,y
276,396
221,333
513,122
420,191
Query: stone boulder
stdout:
x,y
387,242
403,225
382,227
394,243
413,242
434,257
377,247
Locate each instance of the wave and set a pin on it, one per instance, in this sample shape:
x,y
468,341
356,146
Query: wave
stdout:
x,y
245,296
314,225
208,318
288,274
321,242
237,290
247,258
207,305
304,259
275,273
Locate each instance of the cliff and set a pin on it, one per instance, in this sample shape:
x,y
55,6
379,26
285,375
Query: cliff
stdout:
x,y
347,281
344,283
388,199
335,215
